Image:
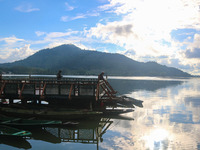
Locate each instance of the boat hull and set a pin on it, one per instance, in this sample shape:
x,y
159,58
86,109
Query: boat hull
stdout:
x,y
60,113
50,113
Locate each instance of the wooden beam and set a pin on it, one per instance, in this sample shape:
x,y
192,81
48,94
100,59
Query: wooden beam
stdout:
x,y
110,92
107,92
108,84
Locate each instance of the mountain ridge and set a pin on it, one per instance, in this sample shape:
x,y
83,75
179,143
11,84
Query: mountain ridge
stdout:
x,y
73,60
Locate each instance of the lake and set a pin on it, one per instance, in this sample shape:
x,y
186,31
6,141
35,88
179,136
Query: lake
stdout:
x,y
169,119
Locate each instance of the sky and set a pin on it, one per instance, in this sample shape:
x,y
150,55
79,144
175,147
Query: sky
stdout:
x,y
164,31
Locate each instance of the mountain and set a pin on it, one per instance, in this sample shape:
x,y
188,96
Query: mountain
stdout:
x,y
73,60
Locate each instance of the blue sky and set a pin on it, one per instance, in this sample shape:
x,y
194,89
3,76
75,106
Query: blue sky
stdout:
x,y
167,32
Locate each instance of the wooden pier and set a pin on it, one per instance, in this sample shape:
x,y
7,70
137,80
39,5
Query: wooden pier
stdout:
x,y
48,97
34,89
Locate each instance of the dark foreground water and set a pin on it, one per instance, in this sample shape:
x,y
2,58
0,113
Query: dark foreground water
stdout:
x,y
170,119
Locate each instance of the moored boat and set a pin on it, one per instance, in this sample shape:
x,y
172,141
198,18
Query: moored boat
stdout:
x,y
55,113
48,113
64,98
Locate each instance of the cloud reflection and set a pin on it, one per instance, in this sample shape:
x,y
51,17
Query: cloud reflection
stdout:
x,y
157,138
169,120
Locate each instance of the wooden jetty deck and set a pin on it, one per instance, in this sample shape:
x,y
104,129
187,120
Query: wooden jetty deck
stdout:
x,y
40,88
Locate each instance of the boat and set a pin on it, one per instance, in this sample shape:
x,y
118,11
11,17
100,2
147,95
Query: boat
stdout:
x,y
14,132
55,113
64,98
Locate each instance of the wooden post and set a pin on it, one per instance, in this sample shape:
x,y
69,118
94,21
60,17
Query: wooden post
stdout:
x,y
42,96
2,88
20,95
70,92
59,90
97,92
40,89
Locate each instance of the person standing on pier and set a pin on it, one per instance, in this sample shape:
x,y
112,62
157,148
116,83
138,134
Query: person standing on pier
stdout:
x,y
59,76
100,77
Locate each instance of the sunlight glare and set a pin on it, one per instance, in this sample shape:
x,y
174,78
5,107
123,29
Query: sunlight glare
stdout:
x,y
156,138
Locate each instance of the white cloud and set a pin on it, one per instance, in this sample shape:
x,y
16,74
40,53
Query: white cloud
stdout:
x,y
64,18
14,49
53,39
52,35
39,33
79,16
191,55
67,18
26,7
68,7
22,52
193,47
10,54
11,40
146,26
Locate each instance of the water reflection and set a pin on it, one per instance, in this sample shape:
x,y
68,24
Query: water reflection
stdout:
x,y
127,86
88,131
157,139
169,120
85,132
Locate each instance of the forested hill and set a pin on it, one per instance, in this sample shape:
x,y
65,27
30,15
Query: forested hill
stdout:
x,y
73,60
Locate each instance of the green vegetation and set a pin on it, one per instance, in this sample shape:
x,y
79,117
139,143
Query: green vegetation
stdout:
x,y
72,60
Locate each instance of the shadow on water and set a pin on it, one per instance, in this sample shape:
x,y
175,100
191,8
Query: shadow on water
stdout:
x,y
87,131
127,86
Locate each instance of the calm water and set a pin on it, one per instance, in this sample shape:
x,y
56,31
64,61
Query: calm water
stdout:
x,y
170,119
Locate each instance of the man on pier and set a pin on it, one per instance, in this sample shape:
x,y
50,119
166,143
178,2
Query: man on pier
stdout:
x,y
100,77
59,76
